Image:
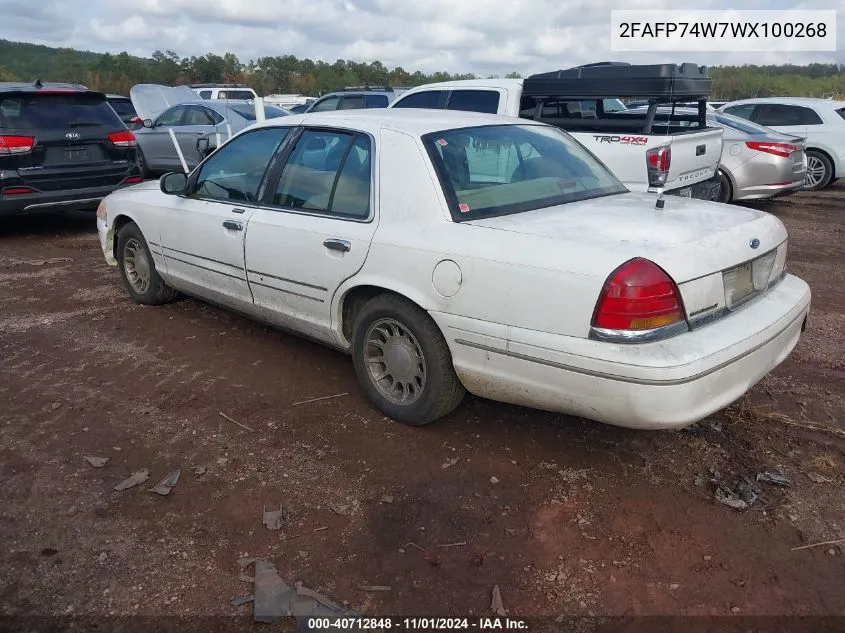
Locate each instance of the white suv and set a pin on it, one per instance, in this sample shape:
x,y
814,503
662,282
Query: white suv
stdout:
x,y
224,91
820,121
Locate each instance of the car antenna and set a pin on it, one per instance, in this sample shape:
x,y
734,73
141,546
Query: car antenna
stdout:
x,y
660,202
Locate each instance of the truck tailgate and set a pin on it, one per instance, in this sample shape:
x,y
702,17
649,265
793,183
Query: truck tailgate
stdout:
x,y
695,157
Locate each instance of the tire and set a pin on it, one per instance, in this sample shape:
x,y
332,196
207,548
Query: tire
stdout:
x,y
135,263
142,164
822,171
412,336
726,193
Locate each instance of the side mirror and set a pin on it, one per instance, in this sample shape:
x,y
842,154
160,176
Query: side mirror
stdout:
x,y
202,146
173,183
148,122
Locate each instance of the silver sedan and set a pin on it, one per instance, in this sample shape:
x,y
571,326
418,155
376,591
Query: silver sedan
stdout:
x,y
191,122
757,162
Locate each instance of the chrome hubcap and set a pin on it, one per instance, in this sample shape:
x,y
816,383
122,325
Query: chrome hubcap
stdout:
x,y
395,362
136,265
815,172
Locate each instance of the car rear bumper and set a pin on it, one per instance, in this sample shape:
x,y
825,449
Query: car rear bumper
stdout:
x,y
663,385
764,192
88,197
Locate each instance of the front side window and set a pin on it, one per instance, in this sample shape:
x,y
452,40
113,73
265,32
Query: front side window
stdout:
x,y
234,172
352,103
328,172
205,94
502,169
173,117
742,111
329,103
197,116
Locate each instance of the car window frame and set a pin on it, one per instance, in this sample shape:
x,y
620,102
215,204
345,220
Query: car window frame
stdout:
x,y
272,177
204,110
752,115
193,177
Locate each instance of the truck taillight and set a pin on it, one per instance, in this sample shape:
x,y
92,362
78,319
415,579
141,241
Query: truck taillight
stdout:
x,y
639,301
658,161
10,145
124,138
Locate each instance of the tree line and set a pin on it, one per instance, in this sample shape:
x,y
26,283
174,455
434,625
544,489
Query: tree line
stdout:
x,y
290,74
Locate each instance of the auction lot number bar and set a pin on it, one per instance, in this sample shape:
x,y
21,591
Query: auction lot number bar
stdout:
x,y
417,624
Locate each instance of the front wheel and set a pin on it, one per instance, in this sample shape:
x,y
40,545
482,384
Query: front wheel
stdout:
x,y
137,269
403,362
819,171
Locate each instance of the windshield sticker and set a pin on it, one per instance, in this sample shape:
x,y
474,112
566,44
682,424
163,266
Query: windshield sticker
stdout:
x,y
463,207
442,142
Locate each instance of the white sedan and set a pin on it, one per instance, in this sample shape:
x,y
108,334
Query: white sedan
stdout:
x,y
450,252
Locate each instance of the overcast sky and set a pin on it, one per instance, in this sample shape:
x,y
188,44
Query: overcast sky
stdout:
x,y
481,36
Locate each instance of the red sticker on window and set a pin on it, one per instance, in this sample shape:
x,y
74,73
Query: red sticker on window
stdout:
x,y
464,207
442,142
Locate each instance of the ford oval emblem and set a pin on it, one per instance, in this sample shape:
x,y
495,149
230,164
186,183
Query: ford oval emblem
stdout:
x,y
754,243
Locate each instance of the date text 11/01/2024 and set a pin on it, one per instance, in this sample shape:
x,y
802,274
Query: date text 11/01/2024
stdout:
x,y
417,624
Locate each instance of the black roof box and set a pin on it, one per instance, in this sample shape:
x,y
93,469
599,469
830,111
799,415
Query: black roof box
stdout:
x,y
687,82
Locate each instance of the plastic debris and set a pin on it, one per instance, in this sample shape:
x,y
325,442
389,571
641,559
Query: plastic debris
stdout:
x,y
743,496
242,600
776,479
136,478
96,462
273,519
166,485
496,604
275,599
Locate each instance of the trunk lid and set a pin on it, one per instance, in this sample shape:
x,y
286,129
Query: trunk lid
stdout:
x,y
688,238
150,100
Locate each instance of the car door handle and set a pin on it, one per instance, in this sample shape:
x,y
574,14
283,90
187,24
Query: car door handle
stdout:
x,y
337,245
232,224
237,210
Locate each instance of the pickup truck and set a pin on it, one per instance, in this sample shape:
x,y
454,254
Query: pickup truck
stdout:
x,y
645,151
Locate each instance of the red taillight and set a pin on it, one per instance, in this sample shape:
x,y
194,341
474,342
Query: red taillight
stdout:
x,y
658,161
124,138
784,150
131,180
638,296
16,191
15,144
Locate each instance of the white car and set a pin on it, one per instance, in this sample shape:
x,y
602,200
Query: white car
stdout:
x,y
453,251
820,121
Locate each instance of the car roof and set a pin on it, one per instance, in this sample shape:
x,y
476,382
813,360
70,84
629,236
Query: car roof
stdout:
x,y
409,120
805,101
471,83
17,86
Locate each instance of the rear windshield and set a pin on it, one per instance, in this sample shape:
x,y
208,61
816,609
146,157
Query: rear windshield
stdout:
x,y
56,111
236,94
248,111
502,169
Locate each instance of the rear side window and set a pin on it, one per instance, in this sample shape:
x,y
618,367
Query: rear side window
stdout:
x,y
205,94
474,101
236,94
430,99
123,108
42,111
841,112
772,114
375,101
329,103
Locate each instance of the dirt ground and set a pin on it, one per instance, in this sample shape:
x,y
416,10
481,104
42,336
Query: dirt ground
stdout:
x,y
568,517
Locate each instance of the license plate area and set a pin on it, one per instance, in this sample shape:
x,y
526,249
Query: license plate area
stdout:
x,y
744,282
686,192
74,155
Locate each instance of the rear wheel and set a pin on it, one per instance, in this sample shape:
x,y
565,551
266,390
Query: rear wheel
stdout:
x,y
819,171
403,362
142,163
137,269
726,193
